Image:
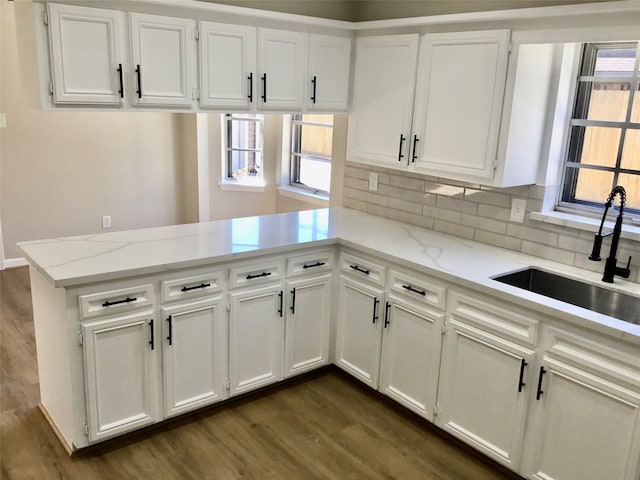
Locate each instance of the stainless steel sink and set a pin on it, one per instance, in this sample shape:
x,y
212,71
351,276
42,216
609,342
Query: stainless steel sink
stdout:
x,y
591,297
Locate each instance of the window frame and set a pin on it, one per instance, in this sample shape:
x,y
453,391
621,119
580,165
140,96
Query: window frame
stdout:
x,y
227,178
296,123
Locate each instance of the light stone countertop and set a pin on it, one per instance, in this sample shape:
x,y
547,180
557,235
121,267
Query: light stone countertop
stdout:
x,y
80,260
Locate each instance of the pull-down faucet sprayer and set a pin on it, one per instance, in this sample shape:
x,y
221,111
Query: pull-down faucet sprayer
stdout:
x,y
611,268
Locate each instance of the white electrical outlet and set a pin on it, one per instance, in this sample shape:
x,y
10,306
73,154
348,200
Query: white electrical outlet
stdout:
x,y
106,221
373,181
518,208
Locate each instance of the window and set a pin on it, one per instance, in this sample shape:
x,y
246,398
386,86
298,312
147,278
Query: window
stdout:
x,y
243,137
604,140
311,141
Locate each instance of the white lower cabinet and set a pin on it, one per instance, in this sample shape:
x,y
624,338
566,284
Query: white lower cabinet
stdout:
x,y
194,339
121,370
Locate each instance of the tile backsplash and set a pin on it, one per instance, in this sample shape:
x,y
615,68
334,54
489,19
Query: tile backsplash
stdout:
x,y
477,213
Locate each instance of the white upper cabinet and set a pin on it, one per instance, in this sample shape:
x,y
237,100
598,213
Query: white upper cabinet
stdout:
x,y
281,67
459,97
328,73
87,55
163,60
228,74
383,92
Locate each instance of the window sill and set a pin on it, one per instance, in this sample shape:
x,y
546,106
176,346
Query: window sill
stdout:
x,y
304,196
256,187
578,222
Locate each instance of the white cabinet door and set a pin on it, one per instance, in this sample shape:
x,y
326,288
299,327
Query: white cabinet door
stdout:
x,y
382,106
256,338
228,75
87,55
411,345
307,324
484,391
328,73
163,51
359,333
461,82
281,64
194,337
120,367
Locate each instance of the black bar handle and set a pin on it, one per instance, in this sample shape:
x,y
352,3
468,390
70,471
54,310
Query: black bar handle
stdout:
x,y
263,274
314,82
293,301
360,269
121,91
118,302
540,391
264,87
281,300
170,336
400,155
386,314
195,287
139,77
311,265
152,342
414,157
414,290
375,309
250,96
521,383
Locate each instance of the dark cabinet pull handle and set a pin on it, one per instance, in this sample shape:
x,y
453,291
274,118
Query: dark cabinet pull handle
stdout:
x,y
281,300
400,155
259,275
250,96
386,314
138,76
314,82
360,269
317,264
152,342
540,391
121,91
293,301
264,88
170,336
118,302
375,309
195,287
414,157
521,383
414,290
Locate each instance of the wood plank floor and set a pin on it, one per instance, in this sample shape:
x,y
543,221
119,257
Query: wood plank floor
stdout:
x,y
325,426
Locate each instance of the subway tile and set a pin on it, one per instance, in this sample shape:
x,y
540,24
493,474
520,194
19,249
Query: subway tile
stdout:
x,y
408,195
453,229
444,190
355,204
404,205
356,172
452,203
511,191
348,192
497,240
544,251
457,183
442,214
414,219
487,197
538,191
570,242
358,183
373,198
381,211
488,224
406,182
383,178
533,234
362,166
497,213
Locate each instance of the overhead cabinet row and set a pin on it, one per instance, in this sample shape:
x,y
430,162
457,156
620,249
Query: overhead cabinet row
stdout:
x,y
102,57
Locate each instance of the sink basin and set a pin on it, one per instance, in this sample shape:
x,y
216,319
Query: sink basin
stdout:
x,y
591,297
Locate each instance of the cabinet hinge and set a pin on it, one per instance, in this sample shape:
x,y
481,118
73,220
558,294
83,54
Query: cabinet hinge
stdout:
x,y
45,17
197,34
443,329
495,164
509,47
197,94
86,430
228,306
227,384
435,411
50,88
80,339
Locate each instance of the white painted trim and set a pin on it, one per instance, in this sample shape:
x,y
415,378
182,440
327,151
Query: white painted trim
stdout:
x,y
2,260
242,187
304,196
583,223
15,262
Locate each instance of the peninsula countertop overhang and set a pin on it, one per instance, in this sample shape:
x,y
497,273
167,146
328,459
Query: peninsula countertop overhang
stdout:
x,y
81,260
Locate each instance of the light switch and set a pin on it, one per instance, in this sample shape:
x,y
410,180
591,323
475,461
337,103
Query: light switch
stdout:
x,y
373,181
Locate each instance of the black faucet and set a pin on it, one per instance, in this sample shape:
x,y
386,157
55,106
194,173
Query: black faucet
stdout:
x,y
611,266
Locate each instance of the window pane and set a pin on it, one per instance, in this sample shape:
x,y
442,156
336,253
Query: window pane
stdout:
x,y
631,150
635,111
615,62
246,134
315,174
607,101
593,185
245,164
631,184
316,140
599,145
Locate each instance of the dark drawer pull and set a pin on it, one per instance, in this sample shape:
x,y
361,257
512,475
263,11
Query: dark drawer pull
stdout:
x,y
263,274
139,79
414,290
540,391
118,302
375,309
521,383
317,264
170,336
202,285
360,269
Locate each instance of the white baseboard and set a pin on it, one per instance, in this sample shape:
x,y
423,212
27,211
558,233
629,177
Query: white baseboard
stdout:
x,y
15,262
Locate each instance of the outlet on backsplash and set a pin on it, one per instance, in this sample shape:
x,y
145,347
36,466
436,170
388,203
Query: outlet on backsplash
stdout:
x,y
518,208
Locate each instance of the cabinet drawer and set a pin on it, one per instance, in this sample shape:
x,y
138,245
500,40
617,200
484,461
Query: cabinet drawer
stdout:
x,y
116,301
417,288
192,286
256,273
363,268
310,263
